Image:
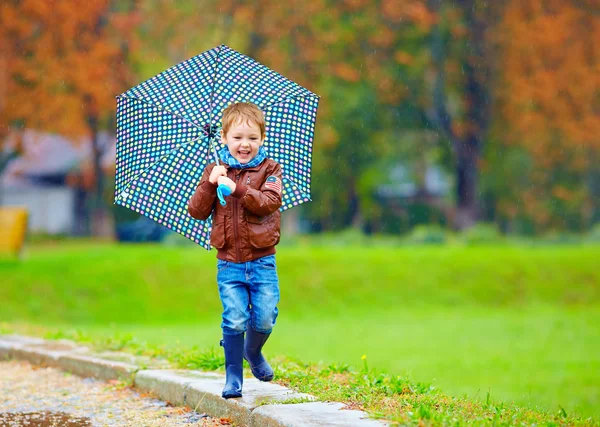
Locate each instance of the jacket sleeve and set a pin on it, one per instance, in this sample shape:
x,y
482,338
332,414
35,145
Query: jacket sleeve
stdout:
x,y
267,199
200,205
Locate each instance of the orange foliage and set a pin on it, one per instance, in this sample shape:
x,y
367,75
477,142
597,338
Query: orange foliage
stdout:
x,y
414,11
548,96
392,10
418,13
551,73
346,72
403,58
349,40
561,192
61,64
385,37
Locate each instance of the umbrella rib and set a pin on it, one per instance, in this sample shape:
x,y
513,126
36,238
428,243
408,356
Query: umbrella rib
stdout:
x,y
212,108
312,95
297,96
158,107
214,81
298,186
142,101
217,63
128,184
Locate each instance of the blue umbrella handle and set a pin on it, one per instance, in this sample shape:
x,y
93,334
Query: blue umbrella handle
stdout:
x,y
222,192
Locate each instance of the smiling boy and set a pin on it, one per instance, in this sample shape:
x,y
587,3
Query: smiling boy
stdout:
x,y
245,232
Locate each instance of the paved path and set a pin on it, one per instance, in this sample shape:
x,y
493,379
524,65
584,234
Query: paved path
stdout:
x,y
31,396
263,404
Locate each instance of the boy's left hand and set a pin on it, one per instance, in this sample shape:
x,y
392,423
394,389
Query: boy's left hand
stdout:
x,y
228,182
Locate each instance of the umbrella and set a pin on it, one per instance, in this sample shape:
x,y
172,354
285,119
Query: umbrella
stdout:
x,y
167,125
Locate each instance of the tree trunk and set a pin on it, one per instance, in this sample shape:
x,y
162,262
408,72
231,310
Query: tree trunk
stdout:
x,y
477,113
466,147
98,211
592,211
81,223
466,187
356,219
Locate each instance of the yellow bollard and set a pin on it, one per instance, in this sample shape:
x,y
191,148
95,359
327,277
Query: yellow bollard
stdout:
x,y
13,226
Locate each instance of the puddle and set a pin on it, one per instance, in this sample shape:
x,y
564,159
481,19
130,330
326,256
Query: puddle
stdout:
x,y
42,419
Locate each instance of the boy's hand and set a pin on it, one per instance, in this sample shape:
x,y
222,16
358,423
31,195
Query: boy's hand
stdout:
x,y
228,182
216,173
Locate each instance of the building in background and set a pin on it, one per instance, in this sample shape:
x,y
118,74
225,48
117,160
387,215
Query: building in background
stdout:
x,y
48,178
413,196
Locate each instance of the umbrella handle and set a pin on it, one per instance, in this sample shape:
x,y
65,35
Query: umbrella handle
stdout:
x,y
222,191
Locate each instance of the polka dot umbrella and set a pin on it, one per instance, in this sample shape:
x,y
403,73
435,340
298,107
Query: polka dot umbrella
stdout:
x,y
167,124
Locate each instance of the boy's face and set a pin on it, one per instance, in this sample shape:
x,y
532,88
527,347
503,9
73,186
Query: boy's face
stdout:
x,y
243,140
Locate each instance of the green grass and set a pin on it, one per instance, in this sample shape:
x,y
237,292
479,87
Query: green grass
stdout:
x,y
397,399
510,324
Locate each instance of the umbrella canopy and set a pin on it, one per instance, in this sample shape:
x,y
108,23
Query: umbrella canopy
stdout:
x,y
166,125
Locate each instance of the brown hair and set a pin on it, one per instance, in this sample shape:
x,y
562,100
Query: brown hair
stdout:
x,y
243,111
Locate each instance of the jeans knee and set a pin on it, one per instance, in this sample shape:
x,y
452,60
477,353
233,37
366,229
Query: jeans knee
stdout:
x,y
233,325
264,322
264,327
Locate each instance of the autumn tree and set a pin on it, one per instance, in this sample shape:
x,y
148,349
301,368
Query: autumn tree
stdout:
x,y
471,71
62,69
382,68
549,104
337,50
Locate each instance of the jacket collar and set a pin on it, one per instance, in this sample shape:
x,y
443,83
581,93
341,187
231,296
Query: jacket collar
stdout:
x,y
255,168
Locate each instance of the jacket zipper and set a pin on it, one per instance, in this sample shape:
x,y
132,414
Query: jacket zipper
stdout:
x,y
235,223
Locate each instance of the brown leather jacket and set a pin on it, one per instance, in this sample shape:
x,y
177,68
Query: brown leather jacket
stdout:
x,y
247,227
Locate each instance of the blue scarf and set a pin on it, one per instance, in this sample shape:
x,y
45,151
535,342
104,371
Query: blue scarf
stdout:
x,y
226,157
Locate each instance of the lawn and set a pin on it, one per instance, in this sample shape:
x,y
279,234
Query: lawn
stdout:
x,y
519,324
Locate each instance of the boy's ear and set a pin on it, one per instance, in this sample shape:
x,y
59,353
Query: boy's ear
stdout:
x,y
222,137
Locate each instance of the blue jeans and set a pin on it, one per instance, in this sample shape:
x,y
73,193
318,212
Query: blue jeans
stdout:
x,y
249,291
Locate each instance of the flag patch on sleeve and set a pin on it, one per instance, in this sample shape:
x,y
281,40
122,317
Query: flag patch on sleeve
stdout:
x,y
273,183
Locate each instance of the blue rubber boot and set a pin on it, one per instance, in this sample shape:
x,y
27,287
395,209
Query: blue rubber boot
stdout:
x,y
252,353
234,348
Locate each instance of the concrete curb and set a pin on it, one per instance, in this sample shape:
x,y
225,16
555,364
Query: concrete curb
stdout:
x,y
89,366
312,414
202,392
263,404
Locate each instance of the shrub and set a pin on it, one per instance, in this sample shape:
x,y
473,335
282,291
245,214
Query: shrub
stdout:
x,y
482,233
429,234
594,234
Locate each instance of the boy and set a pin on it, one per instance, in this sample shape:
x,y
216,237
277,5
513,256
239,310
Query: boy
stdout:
x,y
245,232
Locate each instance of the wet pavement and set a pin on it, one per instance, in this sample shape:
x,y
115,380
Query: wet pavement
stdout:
x,y
42,419
45,397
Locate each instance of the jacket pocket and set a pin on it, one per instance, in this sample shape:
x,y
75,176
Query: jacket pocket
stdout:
x,y
263,231
217,234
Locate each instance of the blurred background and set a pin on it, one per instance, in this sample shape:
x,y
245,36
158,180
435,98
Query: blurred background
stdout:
x,y
432,112
455,183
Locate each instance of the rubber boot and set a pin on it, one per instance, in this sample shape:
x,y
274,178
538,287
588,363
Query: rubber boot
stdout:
x,y
252,353
234,348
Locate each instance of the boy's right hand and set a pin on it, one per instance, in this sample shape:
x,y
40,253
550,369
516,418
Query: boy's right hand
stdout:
x,y
216,173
